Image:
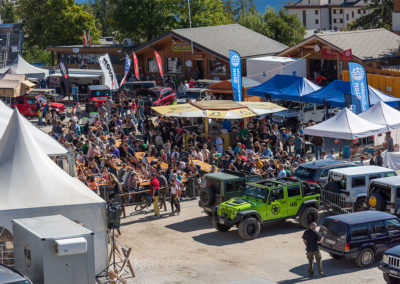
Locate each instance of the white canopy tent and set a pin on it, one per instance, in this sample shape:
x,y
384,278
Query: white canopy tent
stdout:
x,y
345,125
32,185
381,113
49,145
20,66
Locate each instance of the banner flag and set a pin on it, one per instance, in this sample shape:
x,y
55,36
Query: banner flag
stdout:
x,y
236,75
84,39
109,76
90,39
128,62
359,88
64,72
159,63
135,65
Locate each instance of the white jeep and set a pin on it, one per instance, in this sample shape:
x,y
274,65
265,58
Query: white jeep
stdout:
x,y
347,188
384,195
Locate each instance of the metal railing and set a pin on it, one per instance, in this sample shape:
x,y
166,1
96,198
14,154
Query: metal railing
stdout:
x,y
336,202
6,255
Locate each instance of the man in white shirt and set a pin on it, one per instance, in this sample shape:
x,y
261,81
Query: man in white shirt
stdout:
x,y
282,172
219,143
331,156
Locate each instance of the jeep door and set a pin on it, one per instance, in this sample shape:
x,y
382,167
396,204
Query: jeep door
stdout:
x,y
276,206
379,236
293,199
393,227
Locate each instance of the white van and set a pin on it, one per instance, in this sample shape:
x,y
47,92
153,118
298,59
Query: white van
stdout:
x,y
347,187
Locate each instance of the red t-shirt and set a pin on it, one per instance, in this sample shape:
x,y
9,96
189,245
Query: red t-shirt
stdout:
x,y
154,185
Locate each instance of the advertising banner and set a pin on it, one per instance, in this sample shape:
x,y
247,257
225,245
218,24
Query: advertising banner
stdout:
x,y
159,63
135,65
359,88
65,75
109,76
128,62
236,75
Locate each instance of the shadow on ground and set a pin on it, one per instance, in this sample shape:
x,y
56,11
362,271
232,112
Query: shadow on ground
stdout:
x,y
331,268
191,225
231,237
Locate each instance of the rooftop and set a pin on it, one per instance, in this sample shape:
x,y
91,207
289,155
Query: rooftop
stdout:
x,y
362,217
362,170
325,163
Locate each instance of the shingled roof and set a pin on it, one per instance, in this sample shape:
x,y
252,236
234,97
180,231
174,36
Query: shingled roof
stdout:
x,y
366,45
218,40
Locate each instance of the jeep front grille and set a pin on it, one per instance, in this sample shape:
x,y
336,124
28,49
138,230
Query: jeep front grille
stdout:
x,y
226,211
394,261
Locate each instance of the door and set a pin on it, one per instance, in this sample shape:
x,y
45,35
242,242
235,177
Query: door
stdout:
x,y
379,236
393,228
293,199
276,205
31,106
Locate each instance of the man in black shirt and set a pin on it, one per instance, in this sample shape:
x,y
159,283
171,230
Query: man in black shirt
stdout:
x,y
311,239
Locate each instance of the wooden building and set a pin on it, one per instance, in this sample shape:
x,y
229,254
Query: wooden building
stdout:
x,y
203,53
223,90
325,52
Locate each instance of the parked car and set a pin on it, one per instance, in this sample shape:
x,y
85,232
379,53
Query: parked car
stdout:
x,y
131,88
317,171
361,235
222,186
347,188
266,201
28,105
96,96
192,94
390,265
384,195
158,96
9,275
204,83
50,94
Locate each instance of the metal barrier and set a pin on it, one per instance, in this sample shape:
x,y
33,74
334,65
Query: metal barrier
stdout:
x,y
6,255
336,202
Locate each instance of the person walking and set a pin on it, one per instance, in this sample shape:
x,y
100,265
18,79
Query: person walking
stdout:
x,y
311,239
108,105
318,145
155,193
174,196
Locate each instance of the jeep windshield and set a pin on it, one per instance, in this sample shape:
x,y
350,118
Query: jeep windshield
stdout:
x,y
101,93
305,173
290,105
255,192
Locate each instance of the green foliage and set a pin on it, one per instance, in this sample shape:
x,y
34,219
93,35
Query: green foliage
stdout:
x,y
8,13
35,54
55,22
237,7
379,15
282,27
144,20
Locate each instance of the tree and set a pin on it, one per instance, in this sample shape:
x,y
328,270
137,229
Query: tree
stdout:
x,y
8,13
55,22
34,54
379,15
281,27
237,7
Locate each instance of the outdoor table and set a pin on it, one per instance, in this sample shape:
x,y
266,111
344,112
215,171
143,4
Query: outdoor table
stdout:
x,y
204,166
117,164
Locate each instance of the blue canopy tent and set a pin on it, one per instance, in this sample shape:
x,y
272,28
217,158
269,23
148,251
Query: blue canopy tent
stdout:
x,y
336,91
284,87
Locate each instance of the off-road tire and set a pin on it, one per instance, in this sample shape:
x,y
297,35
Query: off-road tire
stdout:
x,y
207,196
365,257
336,256
220,227
358,205
309,215
389,279
249,228
380,202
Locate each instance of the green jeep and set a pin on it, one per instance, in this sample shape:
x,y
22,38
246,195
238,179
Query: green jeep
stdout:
x,y
219,187
266,201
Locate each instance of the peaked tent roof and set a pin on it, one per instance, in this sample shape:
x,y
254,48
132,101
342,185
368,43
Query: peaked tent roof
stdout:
x,y
29,178
383,114
345,125
20,66
46,143
284,87
220,39
334,94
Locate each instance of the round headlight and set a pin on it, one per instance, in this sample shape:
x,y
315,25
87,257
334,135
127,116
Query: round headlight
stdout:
x,y
385,258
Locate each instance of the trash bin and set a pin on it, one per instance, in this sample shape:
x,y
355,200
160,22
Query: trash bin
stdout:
x,y
346,152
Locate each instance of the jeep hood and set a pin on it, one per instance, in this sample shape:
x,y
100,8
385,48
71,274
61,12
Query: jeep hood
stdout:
x,y
60,106
240,204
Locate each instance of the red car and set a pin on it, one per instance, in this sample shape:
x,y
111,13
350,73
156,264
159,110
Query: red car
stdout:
x,y
28,105
97,95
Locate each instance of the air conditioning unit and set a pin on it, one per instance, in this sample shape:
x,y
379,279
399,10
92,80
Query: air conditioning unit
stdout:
x,y
128,42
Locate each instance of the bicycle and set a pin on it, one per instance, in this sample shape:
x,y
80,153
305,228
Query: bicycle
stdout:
x,y
146,202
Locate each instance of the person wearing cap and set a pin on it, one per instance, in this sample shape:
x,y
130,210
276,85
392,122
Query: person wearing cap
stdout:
x,y
155,193
331,156
361,162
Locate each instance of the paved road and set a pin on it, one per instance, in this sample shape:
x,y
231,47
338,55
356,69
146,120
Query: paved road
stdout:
x,y
186,249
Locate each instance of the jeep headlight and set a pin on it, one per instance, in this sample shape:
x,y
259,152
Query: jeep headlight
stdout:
x,y
385,258
234,212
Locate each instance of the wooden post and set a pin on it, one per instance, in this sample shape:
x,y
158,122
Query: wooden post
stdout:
x,y
206,126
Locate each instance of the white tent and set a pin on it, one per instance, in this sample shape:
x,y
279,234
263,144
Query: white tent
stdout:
x,y
32,185
46,143
20,66
345,125
381,113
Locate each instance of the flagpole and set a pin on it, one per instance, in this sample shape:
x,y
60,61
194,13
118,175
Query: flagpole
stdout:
x,y
190,25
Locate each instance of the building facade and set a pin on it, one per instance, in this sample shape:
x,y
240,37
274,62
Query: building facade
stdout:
x,y
328,14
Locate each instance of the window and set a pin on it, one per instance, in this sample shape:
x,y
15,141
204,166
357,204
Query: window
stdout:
x,y
398,193
393,225
371,177
304,18
152,65
316,21
324,173
276,193
167,93
174,65
359,231
235,186
391,174
341,11
316,12
359,11
341,21
358,181
334,20
30,101
334,11
293,190
216,66
364,12
347,17
352,14
378,227
20,101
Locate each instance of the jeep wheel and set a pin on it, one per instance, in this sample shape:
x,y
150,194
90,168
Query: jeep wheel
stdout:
x,y
376,201
335,256
389,279
365,257
249,228
359,205
220,227
309,215
207,196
